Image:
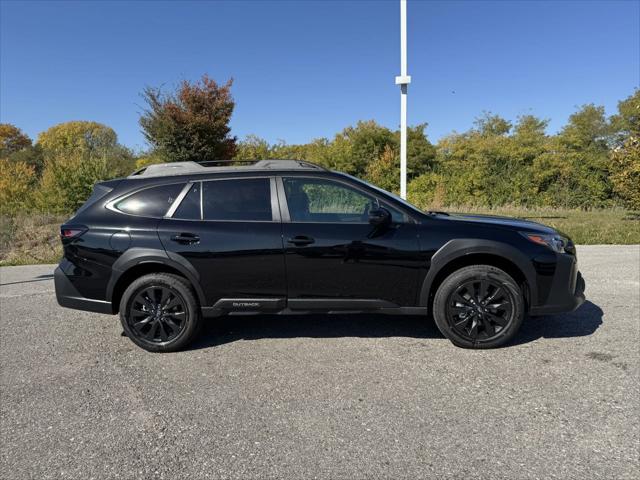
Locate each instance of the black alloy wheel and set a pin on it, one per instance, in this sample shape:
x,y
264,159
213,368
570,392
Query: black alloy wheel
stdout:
x,y
159,312
480,309
479,306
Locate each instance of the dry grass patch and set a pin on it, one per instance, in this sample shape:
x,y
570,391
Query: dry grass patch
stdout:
x,y
30,239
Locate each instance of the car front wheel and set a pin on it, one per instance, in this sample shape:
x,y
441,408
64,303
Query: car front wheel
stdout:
x,y
159,312
479,306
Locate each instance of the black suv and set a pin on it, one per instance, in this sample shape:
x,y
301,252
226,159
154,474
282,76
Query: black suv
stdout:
x,y
174,243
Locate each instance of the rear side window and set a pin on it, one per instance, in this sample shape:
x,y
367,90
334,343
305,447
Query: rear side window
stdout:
x,y
189,208
246,199
151,202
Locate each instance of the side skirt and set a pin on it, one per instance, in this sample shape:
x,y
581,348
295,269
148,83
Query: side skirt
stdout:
x,y
280,306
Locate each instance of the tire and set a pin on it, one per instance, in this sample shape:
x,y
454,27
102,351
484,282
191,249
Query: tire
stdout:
x,y
160,313
479,306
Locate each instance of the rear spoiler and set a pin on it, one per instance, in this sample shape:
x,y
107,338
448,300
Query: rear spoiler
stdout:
x,y
100,189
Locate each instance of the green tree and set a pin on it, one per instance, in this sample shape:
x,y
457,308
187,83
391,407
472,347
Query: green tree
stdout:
x,y
78,136
12,140
479,167
626,123
626,172
191,124
489,124
625,156
253,148
310,151
587,129
31,156
464,168
427,191
385,170
355,147
574,172
17,181
421,154
76,155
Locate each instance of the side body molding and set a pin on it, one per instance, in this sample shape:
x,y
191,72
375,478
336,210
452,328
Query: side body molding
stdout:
x,y
138,256
457,248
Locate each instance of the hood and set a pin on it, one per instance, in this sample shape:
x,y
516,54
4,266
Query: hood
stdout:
x,y
507,222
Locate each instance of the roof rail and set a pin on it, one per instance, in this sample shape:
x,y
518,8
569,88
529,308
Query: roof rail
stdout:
x,y
210,166
266,163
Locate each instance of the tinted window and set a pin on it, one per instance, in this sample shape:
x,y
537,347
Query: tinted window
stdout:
x,y
237,199
320,200
189,208
151,202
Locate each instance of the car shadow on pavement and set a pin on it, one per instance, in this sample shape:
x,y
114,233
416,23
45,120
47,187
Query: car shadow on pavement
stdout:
x,y
581,323
39,278
218,331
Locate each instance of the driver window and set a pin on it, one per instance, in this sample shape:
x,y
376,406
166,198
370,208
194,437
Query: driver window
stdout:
x,y
322,200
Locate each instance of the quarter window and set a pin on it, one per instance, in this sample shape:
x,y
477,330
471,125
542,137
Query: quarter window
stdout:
x,y
151,202
246,199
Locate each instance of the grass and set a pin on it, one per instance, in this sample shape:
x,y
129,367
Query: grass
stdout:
x,y
585,227
30,238
34,238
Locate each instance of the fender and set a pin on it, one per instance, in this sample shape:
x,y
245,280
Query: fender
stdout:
x,y
136,256
457,248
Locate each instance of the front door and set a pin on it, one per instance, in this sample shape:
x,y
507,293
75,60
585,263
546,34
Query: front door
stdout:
x,y
335,258
229,230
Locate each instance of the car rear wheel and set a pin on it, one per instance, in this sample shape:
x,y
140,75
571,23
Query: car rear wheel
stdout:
x,y
159,312
479,306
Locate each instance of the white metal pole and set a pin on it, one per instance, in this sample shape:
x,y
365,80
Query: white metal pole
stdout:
x,y
403,80
403,37
403,141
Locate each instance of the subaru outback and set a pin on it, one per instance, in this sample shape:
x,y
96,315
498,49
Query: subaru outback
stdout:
x,y
173,244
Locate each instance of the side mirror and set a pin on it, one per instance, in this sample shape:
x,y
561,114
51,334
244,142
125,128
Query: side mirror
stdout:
x,y
380,216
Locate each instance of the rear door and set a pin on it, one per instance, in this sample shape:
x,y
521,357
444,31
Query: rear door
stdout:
x,y
229,229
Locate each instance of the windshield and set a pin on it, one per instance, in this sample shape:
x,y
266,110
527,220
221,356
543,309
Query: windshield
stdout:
x,y
381,190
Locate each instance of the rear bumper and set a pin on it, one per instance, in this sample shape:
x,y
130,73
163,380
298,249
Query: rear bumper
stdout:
x,y
68,296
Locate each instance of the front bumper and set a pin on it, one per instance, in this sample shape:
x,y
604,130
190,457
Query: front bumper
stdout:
x,y
68,296
566,293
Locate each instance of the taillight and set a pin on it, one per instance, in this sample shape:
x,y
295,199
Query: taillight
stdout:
x,y
72,231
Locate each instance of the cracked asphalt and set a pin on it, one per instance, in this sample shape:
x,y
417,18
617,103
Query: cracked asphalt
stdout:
x,y
323,397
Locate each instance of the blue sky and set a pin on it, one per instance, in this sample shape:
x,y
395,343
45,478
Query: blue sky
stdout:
x,y
306,69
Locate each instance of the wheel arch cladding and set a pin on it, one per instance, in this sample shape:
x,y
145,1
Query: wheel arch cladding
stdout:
x,y
137,262
459,253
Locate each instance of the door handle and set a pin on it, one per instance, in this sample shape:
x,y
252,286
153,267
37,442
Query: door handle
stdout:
x,y
186,238
300,240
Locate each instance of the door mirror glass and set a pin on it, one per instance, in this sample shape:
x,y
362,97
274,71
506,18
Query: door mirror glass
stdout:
x,y
380,216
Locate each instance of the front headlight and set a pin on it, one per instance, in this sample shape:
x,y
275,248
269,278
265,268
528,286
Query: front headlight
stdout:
x,y
555,242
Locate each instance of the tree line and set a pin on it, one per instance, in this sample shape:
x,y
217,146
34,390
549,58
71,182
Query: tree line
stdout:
x,y
592,162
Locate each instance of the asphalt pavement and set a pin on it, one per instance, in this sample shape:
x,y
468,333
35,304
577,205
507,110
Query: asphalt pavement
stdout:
x,y
328,397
